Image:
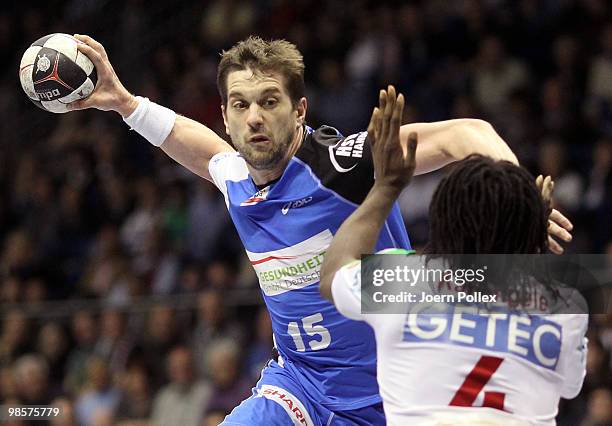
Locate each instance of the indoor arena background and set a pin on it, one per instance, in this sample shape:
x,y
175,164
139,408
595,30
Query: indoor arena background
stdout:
x,y
121,275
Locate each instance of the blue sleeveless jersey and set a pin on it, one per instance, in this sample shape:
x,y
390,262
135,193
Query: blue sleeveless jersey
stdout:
x,y
286,228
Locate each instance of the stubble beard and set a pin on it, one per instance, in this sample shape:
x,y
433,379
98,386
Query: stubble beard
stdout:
x,y
268,159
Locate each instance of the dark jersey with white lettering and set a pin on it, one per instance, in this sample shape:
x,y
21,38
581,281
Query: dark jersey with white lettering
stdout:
x,y
286,228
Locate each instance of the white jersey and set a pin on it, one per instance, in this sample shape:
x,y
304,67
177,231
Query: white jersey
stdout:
x,y
431,368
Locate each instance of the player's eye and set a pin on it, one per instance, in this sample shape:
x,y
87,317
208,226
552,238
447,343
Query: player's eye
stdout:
x,y
270,102
239,105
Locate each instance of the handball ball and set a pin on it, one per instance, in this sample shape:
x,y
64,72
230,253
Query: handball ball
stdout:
x,y
54,73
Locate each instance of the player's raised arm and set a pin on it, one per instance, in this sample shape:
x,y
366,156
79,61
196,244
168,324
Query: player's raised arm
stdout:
x,y
394,165
186,141
444,142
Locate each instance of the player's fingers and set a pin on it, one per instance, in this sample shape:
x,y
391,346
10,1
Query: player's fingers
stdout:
x,y
390,105
396,118
93,56
81,104
558,232
387,114
371,123
382,100
539,181
391,100
97,46
391,91
554,246
547,189
378,124
557,217
372,128
89,41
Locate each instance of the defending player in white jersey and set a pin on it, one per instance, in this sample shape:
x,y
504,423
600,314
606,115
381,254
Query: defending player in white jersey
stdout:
x,y
459,367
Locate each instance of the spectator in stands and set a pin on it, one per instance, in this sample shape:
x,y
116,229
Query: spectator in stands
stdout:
x,y
8,386
597,365
161,334
32,379
207,217
53,346
190,281
219,276
136,402
213,324
229,387
569,186
100,397
14,338
261,348
18,255
35,292
115,341
84,333
598,195
143,219
496,76
183,401
67,416
600,89
10,289
599,408
157,264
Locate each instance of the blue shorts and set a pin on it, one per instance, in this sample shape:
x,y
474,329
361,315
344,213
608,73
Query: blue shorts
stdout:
x,y
279,400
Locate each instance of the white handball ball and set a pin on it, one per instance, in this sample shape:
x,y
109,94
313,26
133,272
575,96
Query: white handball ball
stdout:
x,y
53,73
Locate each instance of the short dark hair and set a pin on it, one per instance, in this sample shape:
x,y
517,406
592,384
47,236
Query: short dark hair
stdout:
x,y
265,56
486,207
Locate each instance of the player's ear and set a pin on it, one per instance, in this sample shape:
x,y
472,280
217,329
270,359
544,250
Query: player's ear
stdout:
x,y
302,106
223,113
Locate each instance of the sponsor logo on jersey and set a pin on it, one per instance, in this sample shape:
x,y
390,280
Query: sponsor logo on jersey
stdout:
x,y
258,197
292,406
530,337
291,268
349,147
295,204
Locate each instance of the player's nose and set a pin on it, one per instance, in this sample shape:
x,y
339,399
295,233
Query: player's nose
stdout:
x,y
254,117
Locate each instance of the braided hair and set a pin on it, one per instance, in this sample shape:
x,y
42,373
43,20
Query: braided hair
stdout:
x,y
487,207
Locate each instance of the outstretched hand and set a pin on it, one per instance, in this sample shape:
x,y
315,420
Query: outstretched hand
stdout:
x,y
394,163
109,94
558,225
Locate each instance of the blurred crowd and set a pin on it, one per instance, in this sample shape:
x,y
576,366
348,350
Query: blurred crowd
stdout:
x,y
124,294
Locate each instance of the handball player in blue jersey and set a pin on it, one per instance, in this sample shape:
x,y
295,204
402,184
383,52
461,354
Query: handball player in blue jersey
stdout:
x,y
288,188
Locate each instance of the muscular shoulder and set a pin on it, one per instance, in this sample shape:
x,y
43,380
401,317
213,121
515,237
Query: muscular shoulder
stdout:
x,y
339,162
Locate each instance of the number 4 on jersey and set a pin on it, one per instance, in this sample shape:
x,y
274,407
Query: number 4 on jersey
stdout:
x,y
308,323
476,381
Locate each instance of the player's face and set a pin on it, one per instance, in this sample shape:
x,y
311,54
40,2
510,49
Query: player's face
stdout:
x,y
260,118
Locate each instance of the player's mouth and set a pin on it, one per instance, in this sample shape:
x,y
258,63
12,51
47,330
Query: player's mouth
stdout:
x,y
259,139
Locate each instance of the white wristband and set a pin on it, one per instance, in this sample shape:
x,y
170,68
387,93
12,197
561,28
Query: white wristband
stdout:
x,y
152,121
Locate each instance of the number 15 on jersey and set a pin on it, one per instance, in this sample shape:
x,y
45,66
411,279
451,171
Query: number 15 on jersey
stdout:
x,y
316,336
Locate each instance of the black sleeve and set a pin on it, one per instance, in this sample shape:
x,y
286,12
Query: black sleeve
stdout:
x,y
343,164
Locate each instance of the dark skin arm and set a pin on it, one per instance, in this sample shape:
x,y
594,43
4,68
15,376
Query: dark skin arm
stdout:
x,y
394,166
